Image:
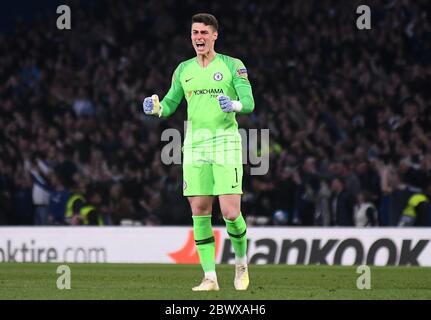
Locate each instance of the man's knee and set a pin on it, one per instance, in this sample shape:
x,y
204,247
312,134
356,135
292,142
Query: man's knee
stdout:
x,y
201,209
201,206
230,213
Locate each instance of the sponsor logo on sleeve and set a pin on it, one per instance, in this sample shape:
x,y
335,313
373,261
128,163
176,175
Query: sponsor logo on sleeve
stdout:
x,y
242,72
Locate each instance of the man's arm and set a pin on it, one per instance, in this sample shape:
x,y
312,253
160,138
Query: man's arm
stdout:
x,y
243,88
245,102
174,96
170,102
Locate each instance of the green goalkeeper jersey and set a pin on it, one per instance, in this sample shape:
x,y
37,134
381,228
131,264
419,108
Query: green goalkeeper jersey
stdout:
x,y
207,124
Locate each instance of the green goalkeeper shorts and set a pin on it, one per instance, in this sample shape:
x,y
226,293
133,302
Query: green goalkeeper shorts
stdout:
x,y
206,174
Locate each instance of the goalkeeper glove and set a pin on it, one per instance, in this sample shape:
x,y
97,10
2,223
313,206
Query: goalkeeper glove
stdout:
x,y
152,105
228,105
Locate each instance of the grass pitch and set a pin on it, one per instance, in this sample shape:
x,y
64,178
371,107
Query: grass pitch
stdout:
x,y
166,282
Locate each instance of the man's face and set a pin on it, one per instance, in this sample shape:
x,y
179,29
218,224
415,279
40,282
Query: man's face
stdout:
x,y
203,38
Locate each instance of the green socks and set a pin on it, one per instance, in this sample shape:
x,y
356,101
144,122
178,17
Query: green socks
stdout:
x,y
237,230
205,243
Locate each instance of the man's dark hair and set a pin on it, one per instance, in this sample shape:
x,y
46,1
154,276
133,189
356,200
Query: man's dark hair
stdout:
x,y
207,19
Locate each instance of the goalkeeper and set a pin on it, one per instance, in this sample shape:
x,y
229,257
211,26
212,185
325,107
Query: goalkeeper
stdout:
x,y
216,88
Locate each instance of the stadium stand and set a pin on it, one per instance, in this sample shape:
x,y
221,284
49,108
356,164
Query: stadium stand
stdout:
x,y
349,111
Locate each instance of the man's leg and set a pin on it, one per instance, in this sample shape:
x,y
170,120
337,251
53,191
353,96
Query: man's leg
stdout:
x,y
230,206
198,188
204,239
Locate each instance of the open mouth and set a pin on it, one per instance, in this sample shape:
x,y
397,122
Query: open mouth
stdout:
x,y
200,45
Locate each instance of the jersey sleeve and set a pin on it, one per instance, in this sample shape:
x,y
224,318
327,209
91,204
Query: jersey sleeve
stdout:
x,y
174,96
242,86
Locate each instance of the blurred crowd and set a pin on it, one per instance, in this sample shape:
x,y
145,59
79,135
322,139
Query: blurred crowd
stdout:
x,y
349,112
